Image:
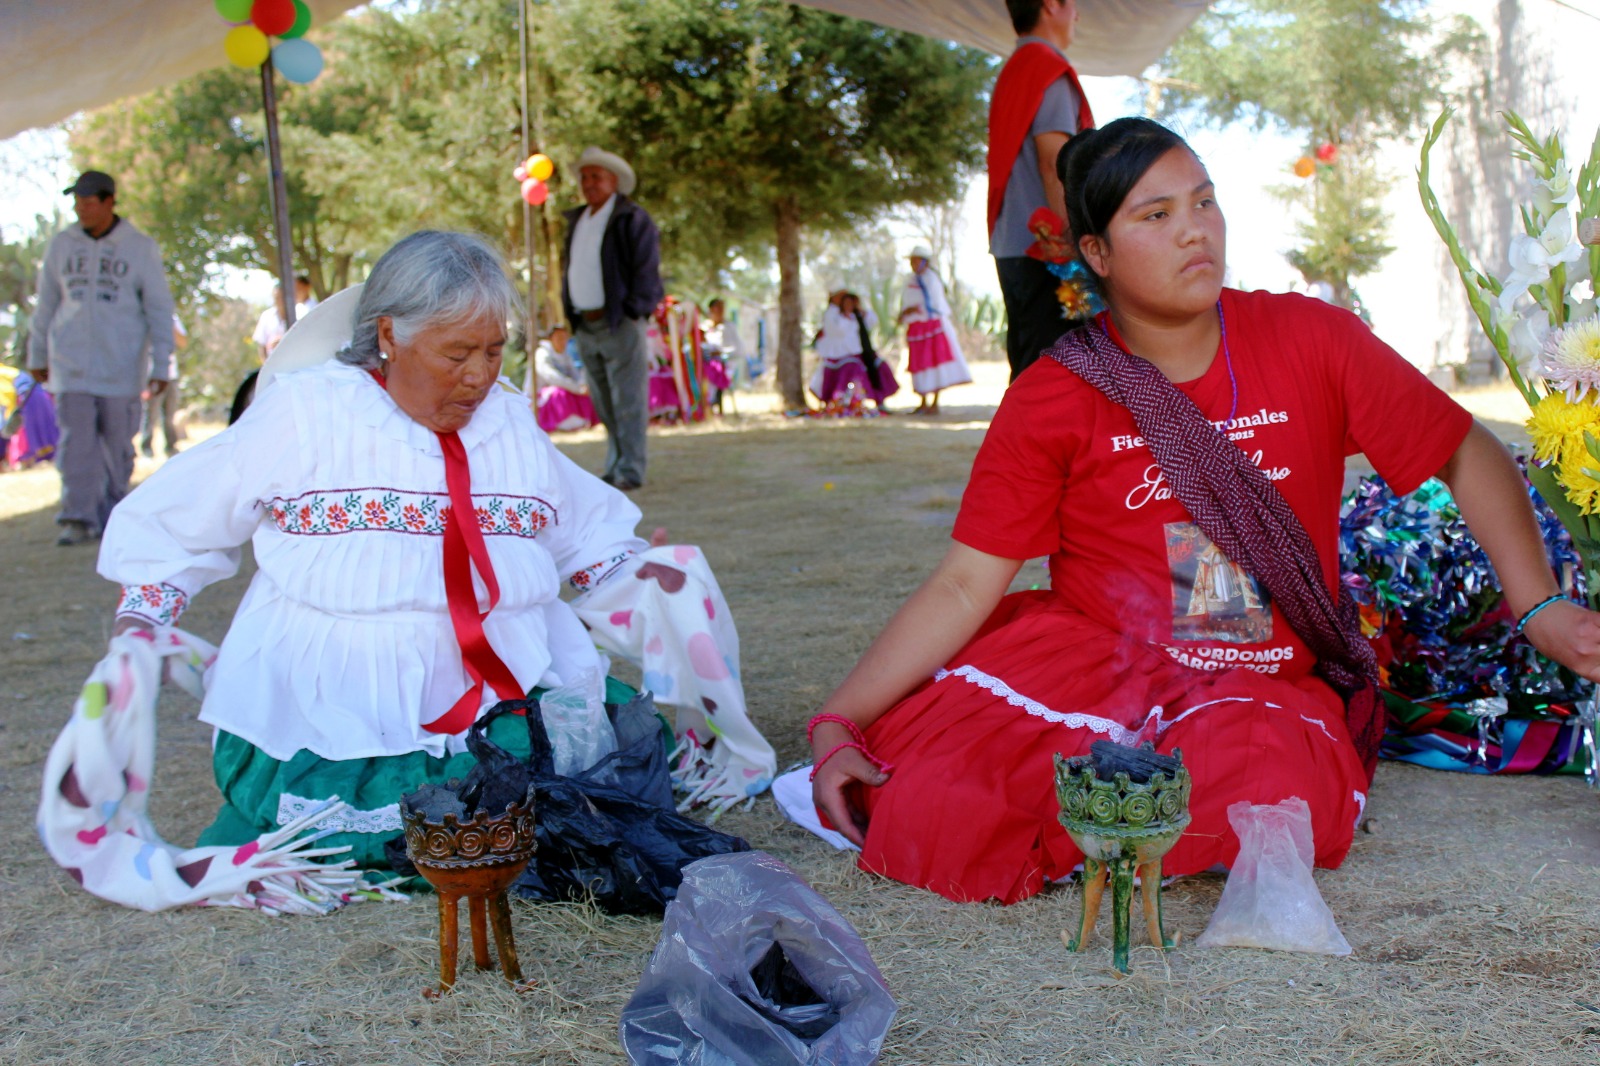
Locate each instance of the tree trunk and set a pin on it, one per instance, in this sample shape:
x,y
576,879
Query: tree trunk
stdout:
x,y
790,380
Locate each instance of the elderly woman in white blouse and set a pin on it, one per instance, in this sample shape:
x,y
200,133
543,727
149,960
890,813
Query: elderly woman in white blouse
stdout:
x,y
412,527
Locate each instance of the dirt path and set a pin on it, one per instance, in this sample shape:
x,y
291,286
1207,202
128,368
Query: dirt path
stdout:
x,y
1473,914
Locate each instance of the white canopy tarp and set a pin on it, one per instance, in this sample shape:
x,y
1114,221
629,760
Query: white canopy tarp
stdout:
x,y
1113,36
58,57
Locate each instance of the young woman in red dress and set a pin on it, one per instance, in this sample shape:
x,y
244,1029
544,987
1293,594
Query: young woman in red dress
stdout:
x,y
1180,461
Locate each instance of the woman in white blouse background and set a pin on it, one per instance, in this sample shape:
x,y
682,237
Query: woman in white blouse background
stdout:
x,y
377,627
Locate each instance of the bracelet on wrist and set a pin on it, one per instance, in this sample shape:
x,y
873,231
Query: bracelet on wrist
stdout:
x,y
857,741
1522,623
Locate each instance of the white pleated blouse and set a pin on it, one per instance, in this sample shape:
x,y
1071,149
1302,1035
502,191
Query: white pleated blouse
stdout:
x,y
343,644
841,336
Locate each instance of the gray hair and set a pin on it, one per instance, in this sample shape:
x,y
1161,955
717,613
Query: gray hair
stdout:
x,y
428,278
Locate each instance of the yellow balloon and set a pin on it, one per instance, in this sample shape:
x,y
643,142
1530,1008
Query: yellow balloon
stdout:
x,y
540,167
246,46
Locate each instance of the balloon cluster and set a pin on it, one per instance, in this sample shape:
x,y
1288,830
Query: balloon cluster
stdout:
x,y
1432,604
1325,155
254,21
533,173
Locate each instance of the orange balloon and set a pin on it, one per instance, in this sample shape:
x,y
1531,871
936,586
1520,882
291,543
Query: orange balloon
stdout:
x,y
1304,167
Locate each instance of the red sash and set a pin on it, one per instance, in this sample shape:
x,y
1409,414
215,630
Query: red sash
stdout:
x,y
464,548
1017,94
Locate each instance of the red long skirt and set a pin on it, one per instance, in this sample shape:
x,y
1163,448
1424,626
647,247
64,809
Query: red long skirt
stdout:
x,y
970,808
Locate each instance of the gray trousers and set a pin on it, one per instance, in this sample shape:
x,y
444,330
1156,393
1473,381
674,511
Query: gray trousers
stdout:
x,y
617,362
161,408
95,454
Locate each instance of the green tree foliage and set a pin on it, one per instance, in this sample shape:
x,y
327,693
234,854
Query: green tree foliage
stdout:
x,y
751,121
1342,236
1346,73
19,276
414,122
747,122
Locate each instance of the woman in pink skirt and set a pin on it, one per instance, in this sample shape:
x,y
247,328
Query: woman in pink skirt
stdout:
x,y
935,354
559,389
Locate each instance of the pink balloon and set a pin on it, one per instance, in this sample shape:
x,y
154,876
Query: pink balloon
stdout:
x,y
535,191
521,173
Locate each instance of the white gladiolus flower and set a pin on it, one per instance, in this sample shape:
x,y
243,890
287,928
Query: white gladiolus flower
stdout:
x,y
1559,239
1560,185
1515,285
1527,338
1529,259
1555,192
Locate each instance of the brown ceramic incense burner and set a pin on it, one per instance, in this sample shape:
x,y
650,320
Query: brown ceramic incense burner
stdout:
x,y
478,858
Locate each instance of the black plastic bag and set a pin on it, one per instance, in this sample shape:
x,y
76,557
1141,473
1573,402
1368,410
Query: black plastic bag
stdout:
x,y
611,832
754,967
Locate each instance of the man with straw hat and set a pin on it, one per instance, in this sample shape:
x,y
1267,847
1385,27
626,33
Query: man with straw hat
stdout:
x,y
611,284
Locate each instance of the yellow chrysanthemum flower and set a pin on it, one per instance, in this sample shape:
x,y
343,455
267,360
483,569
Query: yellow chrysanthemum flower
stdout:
x,y
1581,489
1556,427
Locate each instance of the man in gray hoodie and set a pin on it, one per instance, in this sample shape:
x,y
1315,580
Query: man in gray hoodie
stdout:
x,y
102,330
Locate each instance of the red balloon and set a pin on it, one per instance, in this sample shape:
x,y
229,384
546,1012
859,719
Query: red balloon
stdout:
x,y
1326,152
273,17
535,191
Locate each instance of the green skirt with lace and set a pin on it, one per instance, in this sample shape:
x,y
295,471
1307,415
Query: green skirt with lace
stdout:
x,y
260,793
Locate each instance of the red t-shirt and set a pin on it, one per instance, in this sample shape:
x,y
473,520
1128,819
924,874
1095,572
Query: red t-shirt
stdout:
x,y
1063,472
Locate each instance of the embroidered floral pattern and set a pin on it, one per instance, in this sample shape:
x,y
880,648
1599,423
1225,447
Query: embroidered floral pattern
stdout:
x,y
157,604
324,513
590,576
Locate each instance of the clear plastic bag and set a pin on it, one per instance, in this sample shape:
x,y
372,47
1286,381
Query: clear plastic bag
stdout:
x,y
575,719
754,967
1271,900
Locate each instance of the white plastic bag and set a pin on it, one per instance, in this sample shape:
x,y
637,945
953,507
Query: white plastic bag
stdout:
x,y
575,719
1270,900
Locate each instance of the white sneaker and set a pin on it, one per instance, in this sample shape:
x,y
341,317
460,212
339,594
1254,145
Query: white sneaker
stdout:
x,y
73,533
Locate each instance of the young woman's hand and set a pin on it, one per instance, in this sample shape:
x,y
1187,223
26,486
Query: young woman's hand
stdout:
x,y
846,768
1568,633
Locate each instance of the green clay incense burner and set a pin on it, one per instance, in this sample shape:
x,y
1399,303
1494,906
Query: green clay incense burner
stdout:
x,y
1123,826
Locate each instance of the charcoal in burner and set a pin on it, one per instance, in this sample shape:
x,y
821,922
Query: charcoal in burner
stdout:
x,y
433,802
1138,763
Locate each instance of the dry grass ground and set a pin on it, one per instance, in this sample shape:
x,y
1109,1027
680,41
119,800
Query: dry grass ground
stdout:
x,y
1473,914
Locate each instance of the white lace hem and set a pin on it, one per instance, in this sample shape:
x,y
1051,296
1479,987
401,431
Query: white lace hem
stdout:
x,y
292,808
1118,732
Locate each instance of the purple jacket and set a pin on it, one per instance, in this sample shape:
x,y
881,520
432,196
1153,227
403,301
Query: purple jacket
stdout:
x,y
630,263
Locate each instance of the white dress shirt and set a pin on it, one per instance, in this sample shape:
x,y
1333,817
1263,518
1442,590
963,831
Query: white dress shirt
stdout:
x,y
585,284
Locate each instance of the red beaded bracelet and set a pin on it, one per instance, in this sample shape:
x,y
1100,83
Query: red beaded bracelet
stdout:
x,y
857,741
837,719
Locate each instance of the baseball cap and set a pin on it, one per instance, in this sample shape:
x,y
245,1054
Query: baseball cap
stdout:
x,y
92,183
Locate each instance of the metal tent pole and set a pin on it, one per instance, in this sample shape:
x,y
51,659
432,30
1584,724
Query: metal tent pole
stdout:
x,y
527,209
280,194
